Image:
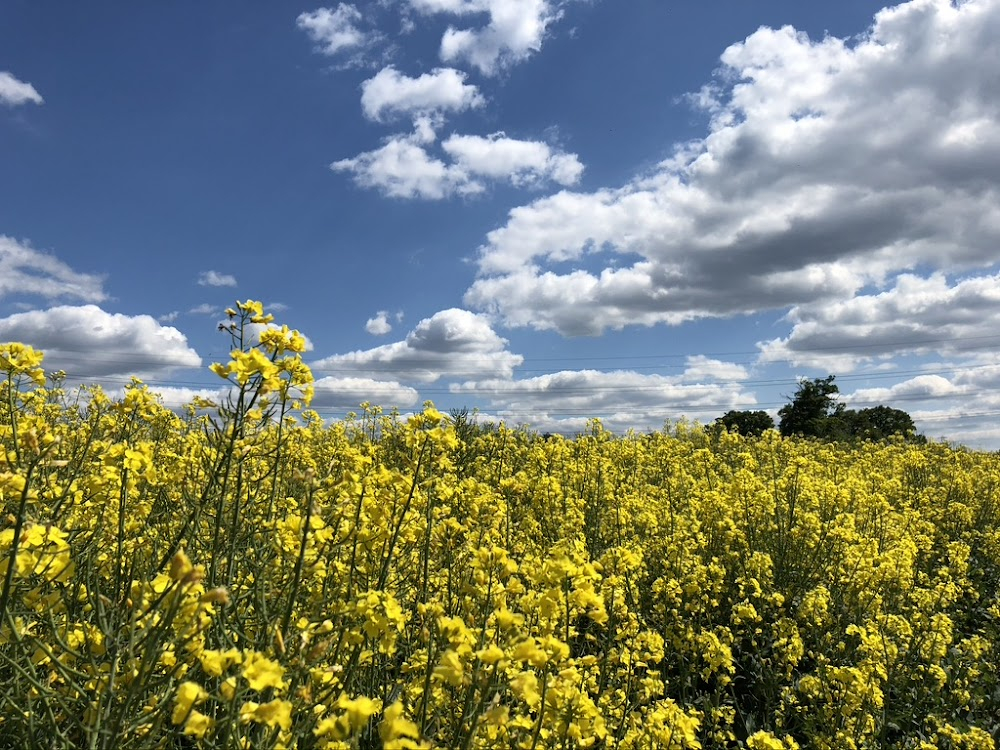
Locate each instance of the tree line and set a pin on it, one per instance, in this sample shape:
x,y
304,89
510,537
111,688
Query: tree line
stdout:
x,y
814,412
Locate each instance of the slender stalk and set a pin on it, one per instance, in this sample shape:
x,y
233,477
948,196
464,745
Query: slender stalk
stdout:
x,y
14,545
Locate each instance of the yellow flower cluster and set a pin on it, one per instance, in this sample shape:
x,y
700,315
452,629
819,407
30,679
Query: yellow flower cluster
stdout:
x,y
243,576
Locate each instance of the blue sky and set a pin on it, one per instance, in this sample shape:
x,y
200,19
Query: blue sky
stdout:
x,y
546,209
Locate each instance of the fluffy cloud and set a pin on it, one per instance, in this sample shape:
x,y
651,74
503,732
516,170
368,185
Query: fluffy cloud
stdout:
x,y
563,401
335,29
521,162
379,325
89,343
701,368
950,401
347,394
921,387
451,343
214,278
24,270
829,166
391,93
14,91
516,30
403,168
916,316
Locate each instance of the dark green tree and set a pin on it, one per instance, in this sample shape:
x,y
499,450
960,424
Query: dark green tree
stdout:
x,y
811,410
814,412
879,423
747,423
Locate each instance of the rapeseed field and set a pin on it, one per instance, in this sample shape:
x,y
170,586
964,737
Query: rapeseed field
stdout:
x,y
243,576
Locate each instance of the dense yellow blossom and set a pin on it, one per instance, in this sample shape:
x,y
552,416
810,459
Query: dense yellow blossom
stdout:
x,y
242,575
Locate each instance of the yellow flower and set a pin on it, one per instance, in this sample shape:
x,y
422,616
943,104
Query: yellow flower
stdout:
x,y
491,654
180,566
276,713
764,741
214,662
450,669
358,710
188,695
197,724
261,672
18,359
395,729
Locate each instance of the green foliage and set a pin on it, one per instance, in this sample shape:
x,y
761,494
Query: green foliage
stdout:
x,y
746,423
879,423
811,408
814,412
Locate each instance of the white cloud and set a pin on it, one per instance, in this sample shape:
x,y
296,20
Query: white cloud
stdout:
x,y
347,393
515,31
14,91
451,343
379,325
828,166
403,168
701,368
521,162
24,270
334,29
442,90
920,387
957,401
563,401
214,278
89,343
205,309
916,316
169,317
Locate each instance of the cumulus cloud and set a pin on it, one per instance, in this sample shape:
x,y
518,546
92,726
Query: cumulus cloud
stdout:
x,y
390,93
348,393
955,401
14,91
916,316
403,167
89,343
521,162
379,325
921,387
701,368
451,343
214,278
26,271
335,29
515,30
829,166
563,401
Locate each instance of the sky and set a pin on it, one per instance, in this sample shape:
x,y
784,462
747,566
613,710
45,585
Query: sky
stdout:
x,y
545,210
